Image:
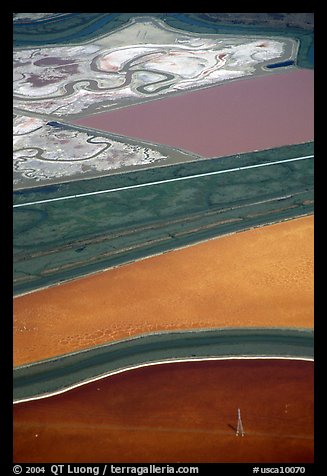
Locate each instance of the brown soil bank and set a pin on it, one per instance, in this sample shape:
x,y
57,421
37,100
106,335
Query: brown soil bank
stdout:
x,y
183,412
262,277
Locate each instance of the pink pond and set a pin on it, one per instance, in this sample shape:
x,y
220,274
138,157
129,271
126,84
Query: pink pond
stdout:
x,y
240,116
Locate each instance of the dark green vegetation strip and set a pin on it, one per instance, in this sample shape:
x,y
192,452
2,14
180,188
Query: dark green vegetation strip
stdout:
x,y
156,173
62,240
62,372
80,27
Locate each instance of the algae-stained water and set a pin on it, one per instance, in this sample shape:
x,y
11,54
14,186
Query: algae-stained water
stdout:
x,y
201,284
182,412
240,116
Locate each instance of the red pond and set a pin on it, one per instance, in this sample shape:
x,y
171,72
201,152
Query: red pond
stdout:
x,y
182,412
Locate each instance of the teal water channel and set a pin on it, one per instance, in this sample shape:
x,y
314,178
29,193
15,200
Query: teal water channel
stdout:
x,y
66,371
61,240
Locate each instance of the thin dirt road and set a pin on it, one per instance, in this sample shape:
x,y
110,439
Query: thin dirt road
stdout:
x,y
182,412
257,278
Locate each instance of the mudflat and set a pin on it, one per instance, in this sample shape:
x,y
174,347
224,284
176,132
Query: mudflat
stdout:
x,y
256,278
181,412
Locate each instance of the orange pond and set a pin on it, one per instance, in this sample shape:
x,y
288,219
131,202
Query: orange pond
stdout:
x,y
257,278
182,412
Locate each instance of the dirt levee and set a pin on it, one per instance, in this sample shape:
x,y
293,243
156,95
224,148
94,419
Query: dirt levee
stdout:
x,y
184,412
241,116
262,277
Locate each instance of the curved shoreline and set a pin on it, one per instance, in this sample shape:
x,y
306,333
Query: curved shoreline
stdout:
x,y
176,413
152,364
47,378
